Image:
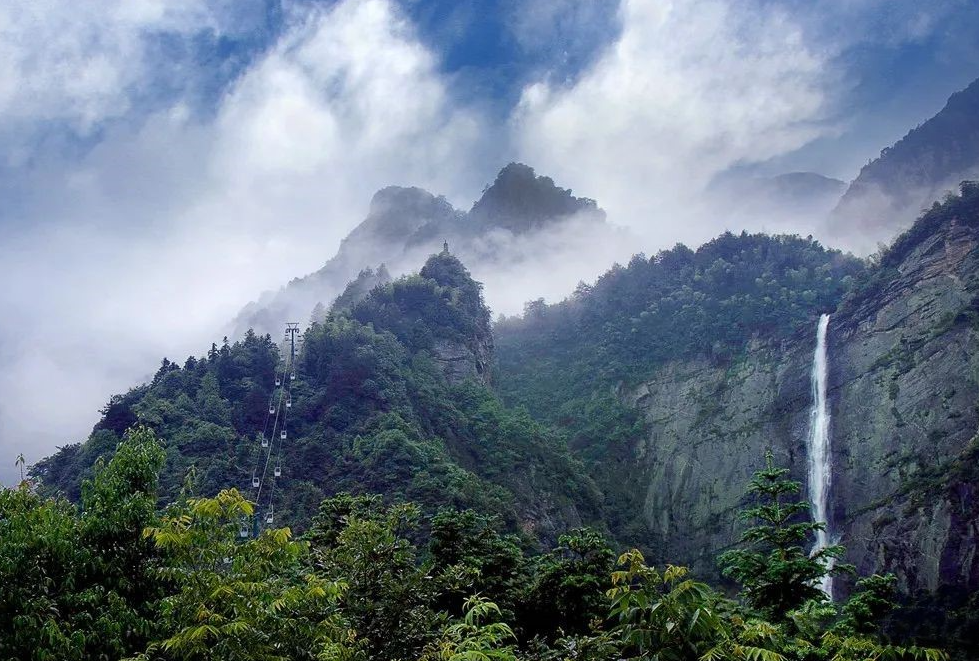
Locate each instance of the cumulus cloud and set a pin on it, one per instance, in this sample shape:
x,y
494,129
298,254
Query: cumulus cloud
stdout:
x,y
690,88
346,103
83,62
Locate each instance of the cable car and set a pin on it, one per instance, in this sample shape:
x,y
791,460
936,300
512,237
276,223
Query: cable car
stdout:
x,y
278,381
255,482
283,434
265,442
278,472
292,377
288,403
268,519
271,410
243,531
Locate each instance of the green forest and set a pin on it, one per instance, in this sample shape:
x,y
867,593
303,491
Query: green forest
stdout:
x,y
116,577
370,412
457,489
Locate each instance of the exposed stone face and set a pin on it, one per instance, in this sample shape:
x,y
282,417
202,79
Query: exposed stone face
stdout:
x,y
460,361
904,388
710,427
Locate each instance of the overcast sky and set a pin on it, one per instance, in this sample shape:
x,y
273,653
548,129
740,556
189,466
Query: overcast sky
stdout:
x,y
162,162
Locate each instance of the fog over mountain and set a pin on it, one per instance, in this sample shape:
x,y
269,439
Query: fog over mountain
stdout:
x,y
910,175
524,234
165,163
591,330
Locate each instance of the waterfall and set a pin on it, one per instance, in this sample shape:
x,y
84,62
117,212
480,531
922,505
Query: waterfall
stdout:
x,y
818,446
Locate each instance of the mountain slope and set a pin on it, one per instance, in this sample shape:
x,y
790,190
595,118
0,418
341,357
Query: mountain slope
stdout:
x,y
790,200
691,404
575,364
390,397
891,190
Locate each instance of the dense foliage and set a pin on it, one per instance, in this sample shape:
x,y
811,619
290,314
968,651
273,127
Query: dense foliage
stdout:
x,y
777,573
77,582
566,361
371,411
439,563
678,304
441,302
115,578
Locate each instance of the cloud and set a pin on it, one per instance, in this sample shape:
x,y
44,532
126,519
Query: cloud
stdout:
x,y
83,62
564,34
690,88
346,103
167,226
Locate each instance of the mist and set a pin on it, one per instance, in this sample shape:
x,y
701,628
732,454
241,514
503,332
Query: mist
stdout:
x,y
137,222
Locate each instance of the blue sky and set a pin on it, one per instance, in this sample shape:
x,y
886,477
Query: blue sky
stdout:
x,y
164,161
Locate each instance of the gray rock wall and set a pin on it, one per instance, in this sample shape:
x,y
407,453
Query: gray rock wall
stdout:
x,y
460,361
904,389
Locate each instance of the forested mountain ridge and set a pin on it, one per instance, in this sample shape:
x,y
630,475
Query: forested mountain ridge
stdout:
x,y
575,363
390,398
685,414
640,405
890,191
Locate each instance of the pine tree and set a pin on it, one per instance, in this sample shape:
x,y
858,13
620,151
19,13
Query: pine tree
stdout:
x,y
776,572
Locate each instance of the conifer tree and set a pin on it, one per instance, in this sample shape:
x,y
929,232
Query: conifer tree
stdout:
x,y
776,572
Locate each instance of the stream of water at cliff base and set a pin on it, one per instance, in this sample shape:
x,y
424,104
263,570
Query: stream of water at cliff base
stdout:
x,y
818,446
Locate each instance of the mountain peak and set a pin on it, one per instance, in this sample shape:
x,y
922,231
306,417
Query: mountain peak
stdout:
x,y
519,200
399,197
398,211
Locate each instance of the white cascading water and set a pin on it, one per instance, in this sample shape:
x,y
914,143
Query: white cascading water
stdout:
x,y
820,455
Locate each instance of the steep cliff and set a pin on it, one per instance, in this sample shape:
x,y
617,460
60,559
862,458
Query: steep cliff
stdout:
x,y
714,350
904,389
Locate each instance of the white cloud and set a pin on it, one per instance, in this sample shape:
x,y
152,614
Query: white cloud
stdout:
x,y
690,88
81,62
348,102
150,244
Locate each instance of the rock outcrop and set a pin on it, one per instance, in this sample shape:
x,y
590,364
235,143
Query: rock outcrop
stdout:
x,y
460,361
904,388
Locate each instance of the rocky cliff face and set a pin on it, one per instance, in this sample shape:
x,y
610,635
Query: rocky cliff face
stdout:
x,y
709,427
460,361
904,388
